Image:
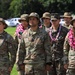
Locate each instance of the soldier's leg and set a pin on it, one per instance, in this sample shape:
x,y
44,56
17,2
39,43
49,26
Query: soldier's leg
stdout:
x,y
60,69
37,69
20,72
4,71
70,72
53,70
29,69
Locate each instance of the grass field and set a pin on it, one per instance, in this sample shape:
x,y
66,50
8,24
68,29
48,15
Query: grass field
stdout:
x,y
11,31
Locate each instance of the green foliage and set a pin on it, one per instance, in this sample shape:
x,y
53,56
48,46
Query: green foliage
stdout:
x,y
4,8
14,8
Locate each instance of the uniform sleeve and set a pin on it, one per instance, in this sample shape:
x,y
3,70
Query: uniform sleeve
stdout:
x,y
66,50
21,54
47,49
12,48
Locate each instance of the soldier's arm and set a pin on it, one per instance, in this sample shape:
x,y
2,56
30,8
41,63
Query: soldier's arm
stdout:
x,y
21,54
12,48
66,50
16,39
48,49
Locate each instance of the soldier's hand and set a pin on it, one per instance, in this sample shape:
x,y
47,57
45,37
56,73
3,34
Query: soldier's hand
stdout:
x,y
66,66
48,67
22,67
10,68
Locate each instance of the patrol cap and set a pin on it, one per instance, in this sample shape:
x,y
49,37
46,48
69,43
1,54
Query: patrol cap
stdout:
x,y
24,17
2,20
67,14
55,16
34,14
46,15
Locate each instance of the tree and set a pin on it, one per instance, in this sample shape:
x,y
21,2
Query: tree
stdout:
x,y
4,8
15,8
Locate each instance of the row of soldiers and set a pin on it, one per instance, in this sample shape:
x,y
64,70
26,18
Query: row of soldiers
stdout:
x,y
40,49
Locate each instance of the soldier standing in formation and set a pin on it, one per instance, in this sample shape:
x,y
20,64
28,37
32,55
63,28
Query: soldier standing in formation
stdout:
x,y
19,30
69,51
46,21
8,50
57,35
34,49
67,18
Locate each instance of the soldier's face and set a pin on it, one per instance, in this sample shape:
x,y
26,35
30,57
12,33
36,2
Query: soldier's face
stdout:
x,y
1,26
55,22
24,23
33,21
67,19
46,21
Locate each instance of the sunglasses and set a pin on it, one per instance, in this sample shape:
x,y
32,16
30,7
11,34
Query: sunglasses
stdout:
x,y
54,20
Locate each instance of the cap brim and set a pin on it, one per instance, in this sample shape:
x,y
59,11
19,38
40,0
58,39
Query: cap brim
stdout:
x,y
67,16
4,24
21,20
33,16
45,17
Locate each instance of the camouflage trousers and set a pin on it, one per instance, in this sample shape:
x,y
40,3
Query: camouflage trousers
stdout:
x,y
4,70
20,71
58,68
70,72
37,69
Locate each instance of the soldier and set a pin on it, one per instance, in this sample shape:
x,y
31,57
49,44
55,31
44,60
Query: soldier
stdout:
x,y
46,21
67,18
34,49
8,50
19,30
57,35
69,51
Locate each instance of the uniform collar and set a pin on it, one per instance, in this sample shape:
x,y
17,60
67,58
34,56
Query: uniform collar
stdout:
x,y
54,30
2,33
47,26
33,32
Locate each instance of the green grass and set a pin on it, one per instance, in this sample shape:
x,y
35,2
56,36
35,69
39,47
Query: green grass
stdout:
x,y
14,71
11,31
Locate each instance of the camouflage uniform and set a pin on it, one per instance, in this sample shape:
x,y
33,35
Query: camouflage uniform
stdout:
x,y
19,30
7,53
69,57
68,26
67,15
47,29
46,15
35,51
57,50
